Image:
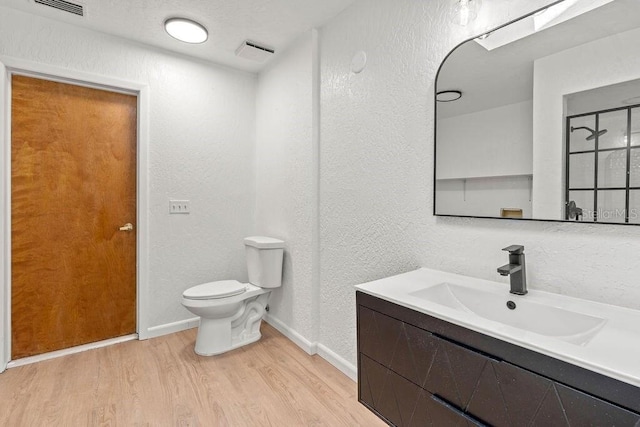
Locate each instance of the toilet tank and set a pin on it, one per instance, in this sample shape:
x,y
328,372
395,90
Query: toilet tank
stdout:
x,y
264,261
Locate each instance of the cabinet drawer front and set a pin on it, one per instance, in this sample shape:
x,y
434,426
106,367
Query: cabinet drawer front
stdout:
x,y
507,395
378,335
455,373
387,393
402,403
585,410
438,366
403,348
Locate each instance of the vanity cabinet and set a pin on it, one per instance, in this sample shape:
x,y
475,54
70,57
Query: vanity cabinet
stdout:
x,y
416,370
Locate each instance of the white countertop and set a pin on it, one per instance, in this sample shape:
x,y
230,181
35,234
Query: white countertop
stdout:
x,y
614,351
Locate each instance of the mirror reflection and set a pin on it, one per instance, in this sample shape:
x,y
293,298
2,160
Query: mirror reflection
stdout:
x,y
540,119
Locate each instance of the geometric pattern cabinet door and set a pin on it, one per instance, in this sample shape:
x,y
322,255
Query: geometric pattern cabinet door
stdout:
x,y
431,363
402,403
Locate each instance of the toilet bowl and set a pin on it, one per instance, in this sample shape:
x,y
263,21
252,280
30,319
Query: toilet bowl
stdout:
x,y
231,312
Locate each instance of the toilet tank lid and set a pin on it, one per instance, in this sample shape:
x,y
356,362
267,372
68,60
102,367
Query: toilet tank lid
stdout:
x,y
262,242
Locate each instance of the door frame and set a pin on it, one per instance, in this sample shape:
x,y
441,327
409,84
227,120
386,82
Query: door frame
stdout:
x,y
14,66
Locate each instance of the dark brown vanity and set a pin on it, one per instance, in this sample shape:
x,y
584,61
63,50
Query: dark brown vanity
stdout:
x,y
418,370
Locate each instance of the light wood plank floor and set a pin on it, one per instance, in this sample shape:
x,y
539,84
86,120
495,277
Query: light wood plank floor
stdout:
x,y
162,382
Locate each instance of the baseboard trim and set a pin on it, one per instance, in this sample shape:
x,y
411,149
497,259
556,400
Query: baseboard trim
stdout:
x,y
339,362
314,348
68,351
308,346
170,328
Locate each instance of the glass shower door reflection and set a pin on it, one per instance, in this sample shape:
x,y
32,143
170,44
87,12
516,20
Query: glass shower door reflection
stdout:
x,y
603,166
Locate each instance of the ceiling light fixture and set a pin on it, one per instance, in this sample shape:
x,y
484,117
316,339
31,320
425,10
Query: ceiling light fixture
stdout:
x,y
186,30
465,11
448,95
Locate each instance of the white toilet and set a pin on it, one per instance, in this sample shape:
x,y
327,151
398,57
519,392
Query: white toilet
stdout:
x,y
231,312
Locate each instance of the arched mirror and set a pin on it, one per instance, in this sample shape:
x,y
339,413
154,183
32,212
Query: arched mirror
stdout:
x,y
540,119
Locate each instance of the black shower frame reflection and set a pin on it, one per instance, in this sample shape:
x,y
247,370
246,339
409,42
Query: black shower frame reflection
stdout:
x,y
596,151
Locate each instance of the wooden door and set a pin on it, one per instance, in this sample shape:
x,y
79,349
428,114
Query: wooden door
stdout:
x,y
73,185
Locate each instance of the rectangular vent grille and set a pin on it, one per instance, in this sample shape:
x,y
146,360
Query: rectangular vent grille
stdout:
x,y
259,47
63,5
254,52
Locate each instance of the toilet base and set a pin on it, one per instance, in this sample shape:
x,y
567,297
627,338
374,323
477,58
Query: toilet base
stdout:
x,y
206,350
217,336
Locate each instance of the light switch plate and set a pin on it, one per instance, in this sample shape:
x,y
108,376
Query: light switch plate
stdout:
x,y
178,206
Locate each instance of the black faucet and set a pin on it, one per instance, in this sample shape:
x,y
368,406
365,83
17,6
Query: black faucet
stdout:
x,y
515,269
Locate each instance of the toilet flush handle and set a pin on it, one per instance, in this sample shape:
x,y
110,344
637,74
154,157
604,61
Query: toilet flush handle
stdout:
x,y
127,227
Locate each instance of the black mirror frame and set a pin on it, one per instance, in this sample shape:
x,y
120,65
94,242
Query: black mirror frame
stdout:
x,y
435,134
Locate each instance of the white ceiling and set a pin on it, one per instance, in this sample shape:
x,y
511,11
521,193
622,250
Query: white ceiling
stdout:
x,y
274,23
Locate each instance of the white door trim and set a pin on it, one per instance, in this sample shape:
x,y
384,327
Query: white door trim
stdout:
x,y
10,66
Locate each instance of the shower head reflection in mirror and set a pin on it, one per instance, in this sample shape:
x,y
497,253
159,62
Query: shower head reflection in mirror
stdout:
x,y
592,132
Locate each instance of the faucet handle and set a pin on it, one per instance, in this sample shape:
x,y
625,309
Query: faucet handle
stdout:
x,y
514,249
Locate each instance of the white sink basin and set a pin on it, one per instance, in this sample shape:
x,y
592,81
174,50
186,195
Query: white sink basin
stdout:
x,y
558,323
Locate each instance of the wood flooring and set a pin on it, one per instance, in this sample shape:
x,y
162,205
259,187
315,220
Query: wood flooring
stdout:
x,y
162,382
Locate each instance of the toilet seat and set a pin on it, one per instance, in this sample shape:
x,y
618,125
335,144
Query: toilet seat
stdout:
x,y
215,290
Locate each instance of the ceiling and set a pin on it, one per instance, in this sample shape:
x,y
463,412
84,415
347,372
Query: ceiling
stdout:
x,y
272,23
503,76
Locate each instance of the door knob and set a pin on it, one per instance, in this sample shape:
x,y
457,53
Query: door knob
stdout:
x,y
127,227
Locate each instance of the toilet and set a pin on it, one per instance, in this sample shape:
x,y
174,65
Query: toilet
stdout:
x,y
231,312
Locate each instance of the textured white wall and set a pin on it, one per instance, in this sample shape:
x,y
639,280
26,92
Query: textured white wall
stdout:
x,y
561,74
201,148
376,174
286,180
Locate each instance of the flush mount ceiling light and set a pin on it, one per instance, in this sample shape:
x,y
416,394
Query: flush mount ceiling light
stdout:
x,y
465,11
448,95
186,30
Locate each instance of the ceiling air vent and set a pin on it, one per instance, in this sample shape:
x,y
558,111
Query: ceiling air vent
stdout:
x,y
65,6
253,51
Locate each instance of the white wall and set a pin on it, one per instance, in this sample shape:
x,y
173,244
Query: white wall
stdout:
x,y
286,180
485,161
201,148
493,142
564,73
376,163
484,196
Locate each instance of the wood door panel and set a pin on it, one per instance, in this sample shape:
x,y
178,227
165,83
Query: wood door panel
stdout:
x,y
73,172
